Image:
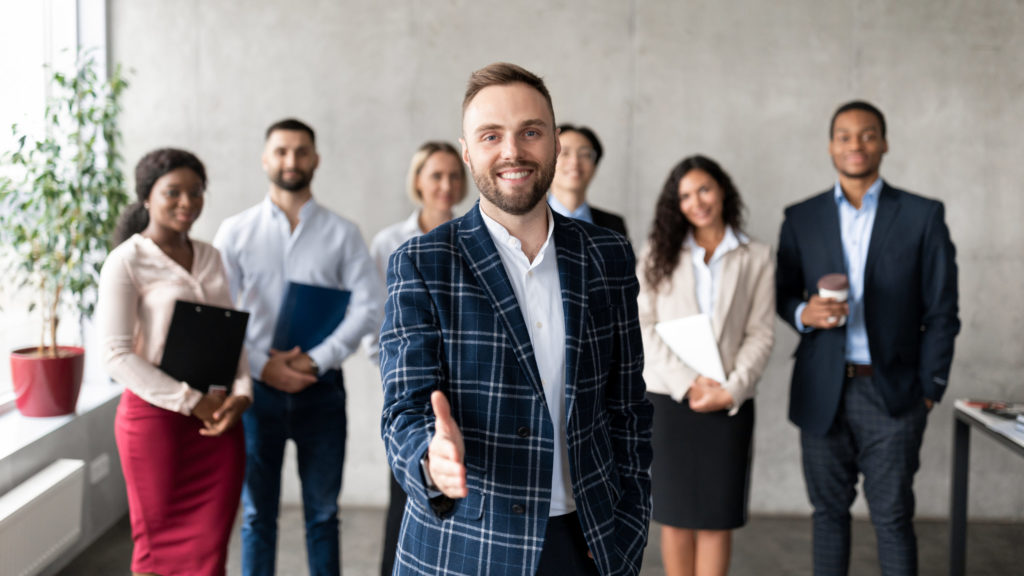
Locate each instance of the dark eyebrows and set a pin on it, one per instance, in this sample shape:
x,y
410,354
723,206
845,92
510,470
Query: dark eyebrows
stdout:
x,y
531,123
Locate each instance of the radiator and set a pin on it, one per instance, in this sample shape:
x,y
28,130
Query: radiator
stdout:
x,y
41,518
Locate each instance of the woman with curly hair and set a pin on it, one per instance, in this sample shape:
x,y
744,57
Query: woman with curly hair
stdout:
x,y
182,450
698,261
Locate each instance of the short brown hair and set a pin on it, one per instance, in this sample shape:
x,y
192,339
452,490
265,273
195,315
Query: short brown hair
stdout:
x,y
293,125
419,159
503,74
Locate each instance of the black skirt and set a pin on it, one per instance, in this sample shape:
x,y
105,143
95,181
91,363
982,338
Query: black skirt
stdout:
x,y
701,468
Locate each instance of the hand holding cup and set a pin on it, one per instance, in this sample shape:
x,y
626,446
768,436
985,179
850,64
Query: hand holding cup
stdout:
x,y
828,308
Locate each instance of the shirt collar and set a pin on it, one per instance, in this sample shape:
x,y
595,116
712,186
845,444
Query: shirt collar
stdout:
x,y
582,212
307,210
412,223
731,241
871,197
501,236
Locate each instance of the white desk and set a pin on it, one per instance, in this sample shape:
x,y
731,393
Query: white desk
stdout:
x,y
1003,431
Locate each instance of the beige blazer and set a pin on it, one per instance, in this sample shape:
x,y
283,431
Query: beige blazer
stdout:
x,y
744,320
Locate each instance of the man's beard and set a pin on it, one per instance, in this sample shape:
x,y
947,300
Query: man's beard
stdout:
x,y
514,204
300,182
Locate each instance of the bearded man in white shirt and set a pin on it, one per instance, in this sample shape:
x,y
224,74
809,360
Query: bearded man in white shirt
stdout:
x,y
511,355
298,394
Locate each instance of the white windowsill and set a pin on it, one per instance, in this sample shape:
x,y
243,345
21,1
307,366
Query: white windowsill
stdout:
x,y
17,431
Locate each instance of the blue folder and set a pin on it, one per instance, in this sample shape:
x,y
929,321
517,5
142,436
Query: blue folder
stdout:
x,y
308,315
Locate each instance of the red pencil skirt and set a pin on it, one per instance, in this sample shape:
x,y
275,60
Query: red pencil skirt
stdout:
x,y
183,488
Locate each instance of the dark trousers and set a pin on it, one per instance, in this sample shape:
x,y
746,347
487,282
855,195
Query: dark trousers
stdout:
x,y
392,527
865,439
565,549
315,420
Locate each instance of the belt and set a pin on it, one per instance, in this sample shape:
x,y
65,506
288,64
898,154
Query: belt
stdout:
x,y
859,371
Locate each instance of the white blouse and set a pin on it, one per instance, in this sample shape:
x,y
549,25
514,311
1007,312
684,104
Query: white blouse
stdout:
x,y
708,276
139,285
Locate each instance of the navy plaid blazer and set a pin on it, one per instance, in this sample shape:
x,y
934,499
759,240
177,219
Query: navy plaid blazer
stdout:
x,y
452,323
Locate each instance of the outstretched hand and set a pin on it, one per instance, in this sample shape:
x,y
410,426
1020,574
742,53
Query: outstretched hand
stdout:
x,y
446,453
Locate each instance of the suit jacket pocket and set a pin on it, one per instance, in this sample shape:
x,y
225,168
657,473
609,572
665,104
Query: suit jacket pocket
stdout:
x,y
471,507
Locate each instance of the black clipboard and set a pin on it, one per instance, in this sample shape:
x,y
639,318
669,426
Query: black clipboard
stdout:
x,y
204,344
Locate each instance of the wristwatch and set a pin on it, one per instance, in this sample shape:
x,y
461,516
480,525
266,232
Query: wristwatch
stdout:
x,y
425,470
314,365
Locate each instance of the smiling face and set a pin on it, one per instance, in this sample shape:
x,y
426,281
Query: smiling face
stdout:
x,y
701,200
176,200
290,159
577,163
440,183
510,144
857,145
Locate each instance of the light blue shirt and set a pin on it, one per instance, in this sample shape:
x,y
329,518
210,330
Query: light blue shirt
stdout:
x,y
261,254
580,213
855,228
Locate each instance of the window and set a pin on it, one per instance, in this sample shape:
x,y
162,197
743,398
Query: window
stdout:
x,y
34,36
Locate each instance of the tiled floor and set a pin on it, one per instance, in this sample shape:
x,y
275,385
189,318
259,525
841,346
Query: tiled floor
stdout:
x,y
766,546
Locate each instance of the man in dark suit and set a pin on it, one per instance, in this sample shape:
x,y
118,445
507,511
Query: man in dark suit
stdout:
x,y
867,370
580,154
514,409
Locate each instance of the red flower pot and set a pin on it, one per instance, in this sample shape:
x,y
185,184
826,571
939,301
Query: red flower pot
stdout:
x,y
46,385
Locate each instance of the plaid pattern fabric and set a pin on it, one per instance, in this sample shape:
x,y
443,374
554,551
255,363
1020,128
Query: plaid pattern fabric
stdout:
x,y
452,323
865,439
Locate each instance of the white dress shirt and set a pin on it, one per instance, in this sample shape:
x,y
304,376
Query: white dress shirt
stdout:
x,y
262,254
707,277
538,290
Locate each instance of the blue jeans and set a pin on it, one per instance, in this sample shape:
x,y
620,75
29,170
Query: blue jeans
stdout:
x,y
315,420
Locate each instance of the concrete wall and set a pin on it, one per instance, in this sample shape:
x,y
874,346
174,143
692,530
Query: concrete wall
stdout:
x,y
750,83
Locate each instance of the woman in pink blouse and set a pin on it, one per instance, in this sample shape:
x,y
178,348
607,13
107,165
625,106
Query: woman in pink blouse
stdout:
x,y
182,454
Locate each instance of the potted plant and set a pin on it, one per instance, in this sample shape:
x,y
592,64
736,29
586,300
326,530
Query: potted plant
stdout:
x,y
60,196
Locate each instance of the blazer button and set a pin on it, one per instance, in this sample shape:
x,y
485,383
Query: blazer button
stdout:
x,y
518,509
523,432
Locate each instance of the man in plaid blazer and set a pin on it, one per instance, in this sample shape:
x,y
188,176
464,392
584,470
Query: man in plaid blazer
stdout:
x,y
514,409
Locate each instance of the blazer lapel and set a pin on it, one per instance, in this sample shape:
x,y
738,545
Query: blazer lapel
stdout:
x,y
572,275
885,216
731,266
828,219
481,255
683,276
